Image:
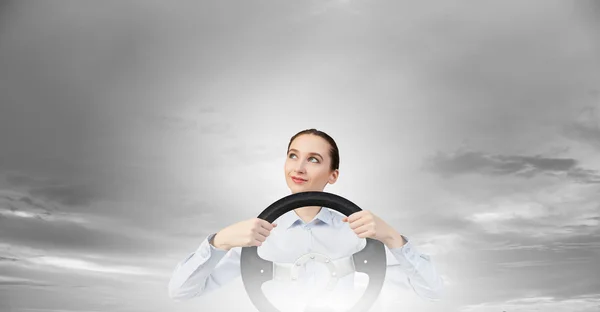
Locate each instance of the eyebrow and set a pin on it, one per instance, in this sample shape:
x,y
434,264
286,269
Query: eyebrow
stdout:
x,y
295,150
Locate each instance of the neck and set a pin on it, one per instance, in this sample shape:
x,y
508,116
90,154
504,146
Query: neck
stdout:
x,y
307,213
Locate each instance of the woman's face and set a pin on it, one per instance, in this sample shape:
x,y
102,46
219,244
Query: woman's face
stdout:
x,y
307,166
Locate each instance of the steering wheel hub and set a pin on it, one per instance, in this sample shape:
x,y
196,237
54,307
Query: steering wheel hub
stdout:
x,y
317,257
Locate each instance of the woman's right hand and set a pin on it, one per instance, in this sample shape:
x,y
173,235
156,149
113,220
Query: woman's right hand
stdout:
x,y
248,233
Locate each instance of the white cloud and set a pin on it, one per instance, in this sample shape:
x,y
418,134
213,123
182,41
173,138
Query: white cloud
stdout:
x,y
54,217
510,210
578,304
19,251
55,310
41,259
438,244
14,204
83,265
561,210
18,214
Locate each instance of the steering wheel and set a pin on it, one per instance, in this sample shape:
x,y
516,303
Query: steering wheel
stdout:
x,y
370,260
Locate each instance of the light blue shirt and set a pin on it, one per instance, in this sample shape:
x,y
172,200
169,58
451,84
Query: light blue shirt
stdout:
x,y
209,268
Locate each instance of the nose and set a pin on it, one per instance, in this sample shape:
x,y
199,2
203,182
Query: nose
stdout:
x,y
300,167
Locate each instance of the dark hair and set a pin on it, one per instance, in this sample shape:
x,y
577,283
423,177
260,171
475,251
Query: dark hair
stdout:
x,y
334,153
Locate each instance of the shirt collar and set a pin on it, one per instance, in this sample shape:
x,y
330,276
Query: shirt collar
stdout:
x,y
290,218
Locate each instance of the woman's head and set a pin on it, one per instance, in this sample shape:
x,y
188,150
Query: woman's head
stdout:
x,y
312,161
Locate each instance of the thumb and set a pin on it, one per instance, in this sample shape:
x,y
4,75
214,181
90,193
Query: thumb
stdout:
x,y
274,224
345,219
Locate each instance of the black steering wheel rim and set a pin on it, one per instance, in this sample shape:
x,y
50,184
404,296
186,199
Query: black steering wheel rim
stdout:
x,y
370,260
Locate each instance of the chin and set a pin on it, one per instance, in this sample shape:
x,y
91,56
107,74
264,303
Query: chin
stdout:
x,y
297,188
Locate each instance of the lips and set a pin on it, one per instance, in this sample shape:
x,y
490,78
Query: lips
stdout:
x,y
298,180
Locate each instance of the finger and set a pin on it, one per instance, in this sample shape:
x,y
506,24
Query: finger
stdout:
x,y
364,228
348,218
260,238
369,233
355,216
358,223
253,242
267,225
262,232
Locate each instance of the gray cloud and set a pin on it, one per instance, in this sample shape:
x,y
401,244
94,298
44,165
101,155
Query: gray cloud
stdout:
x,y
85,193
584,175
66,194
97,238
586,127
29,221
540,263
512,273
467,162
16,201
123,230
52,190
13,281
575,244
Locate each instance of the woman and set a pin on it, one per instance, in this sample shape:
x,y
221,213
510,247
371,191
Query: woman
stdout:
x,y
312,162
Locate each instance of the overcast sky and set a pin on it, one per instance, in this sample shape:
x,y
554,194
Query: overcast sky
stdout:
x,y
130,130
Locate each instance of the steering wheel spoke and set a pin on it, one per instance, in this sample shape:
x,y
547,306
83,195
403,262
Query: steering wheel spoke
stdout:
x,y
289,272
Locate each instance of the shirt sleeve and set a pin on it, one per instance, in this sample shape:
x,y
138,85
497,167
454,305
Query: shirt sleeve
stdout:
x,y
204,270
406,265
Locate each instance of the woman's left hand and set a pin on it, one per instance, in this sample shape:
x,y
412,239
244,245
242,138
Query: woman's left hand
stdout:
x,y
367,225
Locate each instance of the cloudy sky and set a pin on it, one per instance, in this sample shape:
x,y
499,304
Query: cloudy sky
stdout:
x,y
130,130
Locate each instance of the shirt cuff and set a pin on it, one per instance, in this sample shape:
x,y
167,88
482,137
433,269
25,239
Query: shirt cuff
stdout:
x,y
207,250
406,255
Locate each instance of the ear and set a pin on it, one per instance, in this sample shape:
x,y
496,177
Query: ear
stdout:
x,y
333,176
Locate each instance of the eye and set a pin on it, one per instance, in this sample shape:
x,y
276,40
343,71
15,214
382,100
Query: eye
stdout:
x,y
292,155
316,160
